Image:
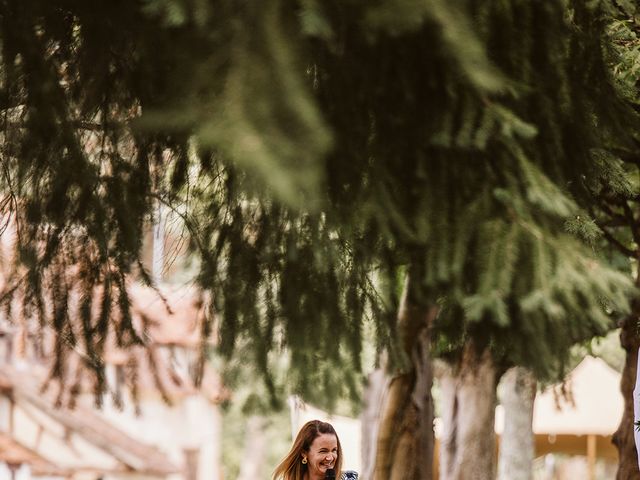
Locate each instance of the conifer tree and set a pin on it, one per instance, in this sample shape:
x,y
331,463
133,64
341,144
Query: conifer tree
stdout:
x,y
322,150
613,185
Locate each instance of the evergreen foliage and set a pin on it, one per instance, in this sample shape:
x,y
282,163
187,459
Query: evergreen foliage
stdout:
x,y
322,148
613,178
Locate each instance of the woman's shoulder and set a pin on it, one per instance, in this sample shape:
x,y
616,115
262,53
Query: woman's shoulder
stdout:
x,y
349,475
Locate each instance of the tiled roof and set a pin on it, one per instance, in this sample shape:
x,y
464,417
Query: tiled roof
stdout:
x,y
169,322
14,453
85,422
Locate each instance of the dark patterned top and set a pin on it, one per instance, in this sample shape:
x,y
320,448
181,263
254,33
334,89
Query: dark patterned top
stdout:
x,y
349,475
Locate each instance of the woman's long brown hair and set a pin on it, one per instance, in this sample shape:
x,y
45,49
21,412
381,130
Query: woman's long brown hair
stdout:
x,y
292,468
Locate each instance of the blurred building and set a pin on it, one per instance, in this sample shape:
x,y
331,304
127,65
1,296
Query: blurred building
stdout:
x,y
574,430
172,430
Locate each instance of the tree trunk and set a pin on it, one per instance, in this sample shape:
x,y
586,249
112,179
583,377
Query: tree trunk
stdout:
x,y
448,409
623,438
405,434
374,395
517,393
253,457
467,450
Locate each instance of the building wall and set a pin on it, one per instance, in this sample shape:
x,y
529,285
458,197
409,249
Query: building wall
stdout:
x,y
191,423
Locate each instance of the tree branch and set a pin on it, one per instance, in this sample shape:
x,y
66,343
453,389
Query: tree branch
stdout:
x,y
617,243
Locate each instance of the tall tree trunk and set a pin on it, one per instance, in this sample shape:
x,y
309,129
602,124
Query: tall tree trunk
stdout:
x,y
405,434
517,393
253,457
374,395
467,449
623,438
448,411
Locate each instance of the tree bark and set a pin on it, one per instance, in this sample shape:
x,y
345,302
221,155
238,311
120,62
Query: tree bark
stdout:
x,y
623,438
517,394
467,450
405,434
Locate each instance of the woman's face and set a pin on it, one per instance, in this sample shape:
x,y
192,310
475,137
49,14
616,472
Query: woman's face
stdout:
x,y
322,454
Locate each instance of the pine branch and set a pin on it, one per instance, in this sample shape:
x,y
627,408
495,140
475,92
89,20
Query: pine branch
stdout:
x,y
614,216
616,243
633,223
627,156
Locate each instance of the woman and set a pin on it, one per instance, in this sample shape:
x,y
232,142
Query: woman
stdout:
x,y
315,450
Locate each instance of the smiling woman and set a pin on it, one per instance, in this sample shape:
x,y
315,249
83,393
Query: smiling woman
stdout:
x,y
316,454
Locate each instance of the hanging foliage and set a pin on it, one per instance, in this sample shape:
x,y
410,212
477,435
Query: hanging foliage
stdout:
x,y
315,150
